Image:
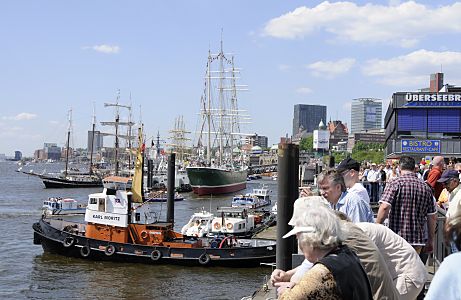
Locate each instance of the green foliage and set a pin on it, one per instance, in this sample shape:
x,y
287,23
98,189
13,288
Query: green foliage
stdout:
x,y
307,144
373,152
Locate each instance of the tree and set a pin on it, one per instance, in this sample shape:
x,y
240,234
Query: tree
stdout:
x,y
307,144
373,152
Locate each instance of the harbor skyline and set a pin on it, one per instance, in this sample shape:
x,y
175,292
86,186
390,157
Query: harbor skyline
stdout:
x,y
58,56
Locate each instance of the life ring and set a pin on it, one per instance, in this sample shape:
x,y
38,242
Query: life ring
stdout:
x,y
110,250
68,241
156,255
144,234
204,259
85,251
217,226
229,226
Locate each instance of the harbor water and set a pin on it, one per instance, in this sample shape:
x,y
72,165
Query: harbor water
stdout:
x,y
29,273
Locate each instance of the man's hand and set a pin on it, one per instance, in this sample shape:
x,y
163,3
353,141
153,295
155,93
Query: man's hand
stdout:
x,y
279,276
283,287
305,192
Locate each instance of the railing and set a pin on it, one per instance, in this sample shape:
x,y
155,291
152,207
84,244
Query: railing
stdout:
x,y
441,249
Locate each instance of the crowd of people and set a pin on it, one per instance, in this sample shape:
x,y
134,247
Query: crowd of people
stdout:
x,y
349,254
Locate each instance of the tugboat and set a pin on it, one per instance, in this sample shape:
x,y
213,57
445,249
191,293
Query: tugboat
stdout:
x,y
120,226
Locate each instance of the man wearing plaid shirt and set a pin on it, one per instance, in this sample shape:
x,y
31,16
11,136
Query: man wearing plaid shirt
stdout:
x,y
409,203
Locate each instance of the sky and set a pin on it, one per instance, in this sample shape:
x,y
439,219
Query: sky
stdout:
x,y
62,55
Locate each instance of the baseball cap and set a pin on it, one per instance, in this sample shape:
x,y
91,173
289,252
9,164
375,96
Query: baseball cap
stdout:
x,y
348,164
447,175
298,229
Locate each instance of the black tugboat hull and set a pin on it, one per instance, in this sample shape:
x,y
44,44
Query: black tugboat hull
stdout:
x,y
71,245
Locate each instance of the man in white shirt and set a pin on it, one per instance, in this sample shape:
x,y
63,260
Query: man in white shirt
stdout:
x,y
349,169
373,178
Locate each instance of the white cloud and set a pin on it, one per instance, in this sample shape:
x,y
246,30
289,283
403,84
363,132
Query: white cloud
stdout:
x,y
331,69
303,90
106,49
21,117
399,23
413,69
284,68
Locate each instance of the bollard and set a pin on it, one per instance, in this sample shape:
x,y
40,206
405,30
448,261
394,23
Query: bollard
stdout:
x,y
170,188
288,161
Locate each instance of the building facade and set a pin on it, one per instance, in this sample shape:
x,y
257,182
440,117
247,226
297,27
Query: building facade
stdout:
x,y
424,124
307,117
52,151
339,135
98,141
366,113
257,140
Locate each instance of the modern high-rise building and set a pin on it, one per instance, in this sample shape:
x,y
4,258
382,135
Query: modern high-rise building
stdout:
x,y
307,117
98,141
366,114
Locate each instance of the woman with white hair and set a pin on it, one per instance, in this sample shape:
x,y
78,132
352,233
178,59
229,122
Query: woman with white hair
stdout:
x,y
337,272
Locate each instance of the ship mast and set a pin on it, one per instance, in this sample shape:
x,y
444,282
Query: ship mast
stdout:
x,y
92,140
67,143
208,112
116,124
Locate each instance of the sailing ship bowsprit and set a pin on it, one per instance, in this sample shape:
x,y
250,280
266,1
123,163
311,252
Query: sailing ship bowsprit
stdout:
x,y
216,169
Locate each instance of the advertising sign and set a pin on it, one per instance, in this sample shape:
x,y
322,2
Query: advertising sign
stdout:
x,y
421,146
321,139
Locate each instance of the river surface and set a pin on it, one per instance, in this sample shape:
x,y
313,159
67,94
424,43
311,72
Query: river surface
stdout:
x,y
26,272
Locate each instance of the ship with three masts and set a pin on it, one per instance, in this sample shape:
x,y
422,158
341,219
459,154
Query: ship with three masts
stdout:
x,y
216,169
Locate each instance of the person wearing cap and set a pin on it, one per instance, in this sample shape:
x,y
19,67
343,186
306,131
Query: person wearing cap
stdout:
x,y
409,204
450,180
337,272
349,169
332,187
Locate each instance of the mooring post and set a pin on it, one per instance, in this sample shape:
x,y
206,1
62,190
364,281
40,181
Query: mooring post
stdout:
x,y
170,188
288,161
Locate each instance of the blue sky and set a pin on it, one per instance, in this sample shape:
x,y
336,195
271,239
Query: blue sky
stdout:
x,y
55,55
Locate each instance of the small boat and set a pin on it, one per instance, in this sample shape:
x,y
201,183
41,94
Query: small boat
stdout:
x,y
199,224
120,226
253,177
239,222
161,196
258,198
57,206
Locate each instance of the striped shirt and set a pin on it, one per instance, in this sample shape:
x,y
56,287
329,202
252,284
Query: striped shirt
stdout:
x,y
411,201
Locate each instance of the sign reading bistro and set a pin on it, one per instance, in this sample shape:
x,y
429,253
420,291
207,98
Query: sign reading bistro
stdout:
x,y
420,146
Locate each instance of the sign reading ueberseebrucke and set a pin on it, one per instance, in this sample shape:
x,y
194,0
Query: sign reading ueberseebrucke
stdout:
x,y
421,146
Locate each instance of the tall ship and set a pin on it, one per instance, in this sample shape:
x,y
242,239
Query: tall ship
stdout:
x,y
218,166
73,179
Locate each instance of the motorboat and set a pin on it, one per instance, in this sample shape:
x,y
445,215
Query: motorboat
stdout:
x,y
57,206
199,224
